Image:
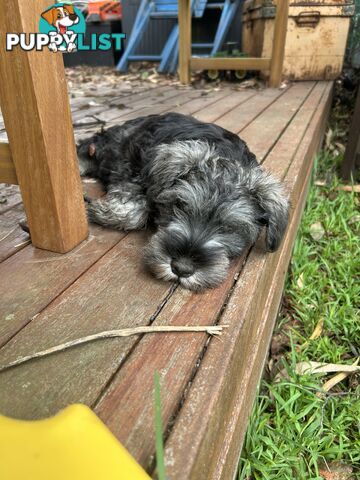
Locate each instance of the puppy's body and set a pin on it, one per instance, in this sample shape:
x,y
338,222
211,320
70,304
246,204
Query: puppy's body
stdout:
x,y
198,183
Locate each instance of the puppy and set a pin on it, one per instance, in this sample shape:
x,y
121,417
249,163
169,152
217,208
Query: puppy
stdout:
x,y
62,18
198,184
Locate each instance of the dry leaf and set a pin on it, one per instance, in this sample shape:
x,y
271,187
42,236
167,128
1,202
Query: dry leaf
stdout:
x,y
337,379
317,231
318,330
311,368
300,280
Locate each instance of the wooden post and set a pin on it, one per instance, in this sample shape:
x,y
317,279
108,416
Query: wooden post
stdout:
x,y
278,50
352,152
184,41
35,106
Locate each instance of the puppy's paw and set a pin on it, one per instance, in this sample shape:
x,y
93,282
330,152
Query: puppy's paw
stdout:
x,y
53,47
71,47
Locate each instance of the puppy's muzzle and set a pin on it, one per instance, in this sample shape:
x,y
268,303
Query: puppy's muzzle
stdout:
x,y
182,267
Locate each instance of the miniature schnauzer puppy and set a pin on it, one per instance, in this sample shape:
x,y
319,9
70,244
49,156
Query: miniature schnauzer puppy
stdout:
x,y
197,183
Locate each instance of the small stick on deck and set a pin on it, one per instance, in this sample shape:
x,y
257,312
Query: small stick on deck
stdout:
x,y
125,332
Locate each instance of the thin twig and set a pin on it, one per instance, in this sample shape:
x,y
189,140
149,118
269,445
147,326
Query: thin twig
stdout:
x,y
8,233
126,332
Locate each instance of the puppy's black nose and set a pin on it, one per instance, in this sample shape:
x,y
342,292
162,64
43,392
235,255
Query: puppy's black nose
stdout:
x,y
73,17
182,267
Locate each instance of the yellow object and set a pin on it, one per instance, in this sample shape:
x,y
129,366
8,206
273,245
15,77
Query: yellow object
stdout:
x,y
74,445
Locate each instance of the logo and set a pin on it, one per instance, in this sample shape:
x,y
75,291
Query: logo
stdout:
x,y
62,28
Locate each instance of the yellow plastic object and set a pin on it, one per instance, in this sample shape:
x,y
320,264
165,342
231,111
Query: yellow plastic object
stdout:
x,y
74,445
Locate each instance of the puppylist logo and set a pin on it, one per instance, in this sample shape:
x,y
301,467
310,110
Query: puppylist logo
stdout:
x,y
62,28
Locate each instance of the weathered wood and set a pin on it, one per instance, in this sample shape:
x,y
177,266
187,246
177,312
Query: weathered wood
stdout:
x,y
114,293
37,277
231,369
7,167
239,118
352,152
12,236
207,386
177,356
10,197
184,41
270,124
278,47
245,63
221,107
38,123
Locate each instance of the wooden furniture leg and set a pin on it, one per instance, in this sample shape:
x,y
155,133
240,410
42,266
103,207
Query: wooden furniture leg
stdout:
x,y
37,118
184,41
278,50
352,152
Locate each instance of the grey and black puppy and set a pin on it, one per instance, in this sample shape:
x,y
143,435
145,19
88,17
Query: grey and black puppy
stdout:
x,y
197,183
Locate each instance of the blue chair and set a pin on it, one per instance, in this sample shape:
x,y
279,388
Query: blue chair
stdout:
x,y
169,9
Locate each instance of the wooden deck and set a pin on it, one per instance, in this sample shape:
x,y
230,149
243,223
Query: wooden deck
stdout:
x,y
207,385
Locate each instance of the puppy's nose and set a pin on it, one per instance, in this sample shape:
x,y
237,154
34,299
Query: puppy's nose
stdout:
x,y
73,17
182,267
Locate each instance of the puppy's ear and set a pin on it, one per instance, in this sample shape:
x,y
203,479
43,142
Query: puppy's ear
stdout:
x,y
49,16
70,9
273,201
92,149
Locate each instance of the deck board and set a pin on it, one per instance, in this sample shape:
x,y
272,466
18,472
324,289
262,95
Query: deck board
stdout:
x,y
207,385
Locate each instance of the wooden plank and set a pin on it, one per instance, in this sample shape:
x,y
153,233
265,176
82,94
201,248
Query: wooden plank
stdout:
x,y
42,147
184,16
222,106
178,102
352,152
220,397
127,407
168,97
246,63
37,277
273,121
278,47
177,356
10,197
7,167
114,293
238,118
12,236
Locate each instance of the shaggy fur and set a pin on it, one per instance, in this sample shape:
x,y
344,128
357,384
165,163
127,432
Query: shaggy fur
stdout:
x,y
197,183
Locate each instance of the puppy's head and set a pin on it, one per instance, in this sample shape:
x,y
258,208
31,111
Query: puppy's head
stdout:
x,y
61,16
211,215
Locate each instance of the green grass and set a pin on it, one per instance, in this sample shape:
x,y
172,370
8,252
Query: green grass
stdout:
x,y
159,441
292,429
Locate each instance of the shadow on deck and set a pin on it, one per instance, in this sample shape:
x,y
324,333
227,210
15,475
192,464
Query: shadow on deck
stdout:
x,y
207,385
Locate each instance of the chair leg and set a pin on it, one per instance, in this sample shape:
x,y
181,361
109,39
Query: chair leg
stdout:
x,y
141,21
168,50
37,118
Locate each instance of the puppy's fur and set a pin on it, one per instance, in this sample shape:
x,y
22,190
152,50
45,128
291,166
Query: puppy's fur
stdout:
x,y
196,182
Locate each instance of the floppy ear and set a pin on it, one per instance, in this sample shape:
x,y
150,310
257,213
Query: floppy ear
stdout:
x,y
49,16
69,9
273,201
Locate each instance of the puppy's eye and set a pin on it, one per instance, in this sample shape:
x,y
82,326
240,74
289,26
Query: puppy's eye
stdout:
x,y
59,15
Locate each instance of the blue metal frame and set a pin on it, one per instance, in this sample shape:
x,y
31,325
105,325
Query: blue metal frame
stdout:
x,y
169,9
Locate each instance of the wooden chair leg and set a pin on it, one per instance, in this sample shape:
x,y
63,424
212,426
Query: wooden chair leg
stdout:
x,y
278,50
352,152
184,41
35,106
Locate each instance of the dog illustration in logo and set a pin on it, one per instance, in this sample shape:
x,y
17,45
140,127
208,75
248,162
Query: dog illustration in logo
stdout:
x,y
62,18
